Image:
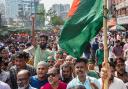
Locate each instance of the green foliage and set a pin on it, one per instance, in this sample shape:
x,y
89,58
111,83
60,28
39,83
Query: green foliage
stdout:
x,y
56,20
51,13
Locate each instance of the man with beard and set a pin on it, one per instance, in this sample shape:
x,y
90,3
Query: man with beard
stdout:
x,y
50,61
120,70
41,78
81,78
114,82
23,80
66,73
41,51
4,75
5,58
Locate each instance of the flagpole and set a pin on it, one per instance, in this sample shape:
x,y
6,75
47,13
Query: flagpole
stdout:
x,y
105,65
33,30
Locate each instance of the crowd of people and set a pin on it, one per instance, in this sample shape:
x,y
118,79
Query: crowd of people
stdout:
x,y
42,64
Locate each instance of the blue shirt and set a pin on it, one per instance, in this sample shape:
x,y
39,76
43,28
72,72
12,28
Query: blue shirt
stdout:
x,y
34,82
87,85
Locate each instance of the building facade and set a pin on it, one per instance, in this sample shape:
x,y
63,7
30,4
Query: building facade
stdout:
x,y
2,12
20,10
121,11
61,9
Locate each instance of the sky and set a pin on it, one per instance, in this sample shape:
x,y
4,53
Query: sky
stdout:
x,y
49,3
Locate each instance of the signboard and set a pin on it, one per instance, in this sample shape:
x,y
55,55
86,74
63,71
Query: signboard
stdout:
x,y
122,20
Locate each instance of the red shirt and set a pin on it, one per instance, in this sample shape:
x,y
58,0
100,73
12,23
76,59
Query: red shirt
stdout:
x,y
62,85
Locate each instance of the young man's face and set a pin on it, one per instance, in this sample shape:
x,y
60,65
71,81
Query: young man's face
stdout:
x,y
51,62
5,54
91,66
112,72
120,67
80,69
20,63
66,72
68,60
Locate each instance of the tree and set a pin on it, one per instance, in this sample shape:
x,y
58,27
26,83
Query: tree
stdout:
x,y
56,20
51,13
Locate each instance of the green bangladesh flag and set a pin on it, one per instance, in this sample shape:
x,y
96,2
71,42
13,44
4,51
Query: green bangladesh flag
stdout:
x,y
84,21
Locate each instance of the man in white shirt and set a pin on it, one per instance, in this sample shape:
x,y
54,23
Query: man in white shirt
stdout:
x,y
114,82
81,76
4,85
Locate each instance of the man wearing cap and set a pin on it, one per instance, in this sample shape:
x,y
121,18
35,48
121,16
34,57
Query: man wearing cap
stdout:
x,y
50,61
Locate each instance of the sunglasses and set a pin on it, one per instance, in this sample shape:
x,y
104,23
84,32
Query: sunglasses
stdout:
x,y
51,74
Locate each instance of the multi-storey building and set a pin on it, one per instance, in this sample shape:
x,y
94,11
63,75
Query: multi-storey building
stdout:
x,y
121,11
61,9
19,9
2,12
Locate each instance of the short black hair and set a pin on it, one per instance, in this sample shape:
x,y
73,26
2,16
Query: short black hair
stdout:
x,y
1,60
118,41
112,65
84,60
121,60
57,70
28,44
22,55
91,61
